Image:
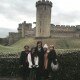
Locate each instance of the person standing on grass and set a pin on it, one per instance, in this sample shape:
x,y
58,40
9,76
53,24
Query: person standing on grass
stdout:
x,y
24,70
40,53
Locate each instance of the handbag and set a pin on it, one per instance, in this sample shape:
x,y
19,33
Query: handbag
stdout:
x,y
54,67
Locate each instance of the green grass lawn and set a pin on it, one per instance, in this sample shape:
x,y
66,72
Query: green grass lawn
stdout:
x,y
61,44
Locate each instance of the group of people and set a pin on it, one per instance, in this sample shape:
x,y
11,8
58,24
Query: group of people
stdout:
x,y
35,63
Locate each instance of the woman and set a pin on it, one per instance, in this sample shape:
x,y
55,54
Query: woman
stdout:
x,y
52,58
46,73
24,70
33,64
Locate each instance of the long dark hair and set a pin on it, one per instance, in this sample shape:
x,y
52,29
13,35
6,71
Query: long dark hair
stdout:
x,y
33,53
39,43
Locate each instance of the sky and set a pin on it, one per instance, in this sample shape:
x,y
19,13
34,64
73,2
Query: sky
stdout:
x,y
13,12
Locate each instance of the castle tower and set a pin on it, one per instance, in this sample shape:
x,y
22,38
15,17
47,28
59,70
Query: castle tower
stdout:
x,y
26,27
20,30
43,18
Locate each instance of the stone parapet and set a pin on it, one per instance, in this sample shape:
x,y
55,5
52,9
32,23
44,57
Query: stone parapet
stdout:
x,y
43,2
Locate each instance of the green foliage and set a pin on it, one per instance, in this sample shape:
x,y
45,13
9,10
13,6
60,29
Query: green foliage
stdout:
x,y
69,67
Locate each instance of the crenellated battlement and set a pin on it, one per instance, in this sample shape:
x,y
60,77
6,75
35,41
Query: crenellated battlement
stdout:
x,y
26,24
65,28
44,2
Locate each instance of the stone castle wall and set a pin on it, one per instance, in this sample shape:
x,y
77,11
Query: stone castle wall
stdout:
x,y
55,31
44,28
65,28
65,31
24,30
13,37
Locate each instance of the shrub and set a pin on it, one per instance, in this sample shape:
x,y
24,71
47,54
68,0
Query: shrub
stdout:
x,y
69,66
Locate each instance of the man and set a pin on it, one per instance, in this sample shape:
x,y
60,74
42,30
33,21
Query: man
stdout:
x,y
24,63
40,52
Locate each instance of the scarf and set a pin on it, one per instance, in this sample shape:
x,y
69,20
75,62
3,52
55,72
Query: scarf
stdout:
x,y
46,60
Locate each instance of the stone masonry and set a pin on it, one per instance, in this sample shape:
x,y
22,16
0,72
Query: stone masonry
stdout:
x,y
44,28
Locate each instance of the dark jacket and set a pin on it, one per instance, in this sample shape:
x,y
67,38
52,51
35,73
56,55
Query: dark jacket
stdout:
x,y
40,54
52,58
23,59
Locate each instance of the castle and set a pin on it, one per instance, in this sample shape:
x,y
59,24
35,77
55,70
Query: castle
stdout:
x,y
44,28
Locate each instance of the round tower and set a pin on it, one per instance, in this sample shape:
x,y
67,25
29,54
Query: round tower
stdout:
x,y
43,18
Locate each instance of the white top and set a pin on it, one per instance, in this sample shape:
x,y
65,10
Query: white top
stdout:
x,y
29,60
36,61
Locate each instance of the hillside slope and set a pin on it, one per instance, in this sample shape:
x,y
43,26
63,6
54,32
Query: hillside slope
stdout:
x,y
59,43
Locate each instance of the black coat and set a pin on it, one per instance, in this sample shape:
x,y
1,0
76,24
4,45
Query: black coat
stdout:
x,y
24,71
41,56
52,58
23,59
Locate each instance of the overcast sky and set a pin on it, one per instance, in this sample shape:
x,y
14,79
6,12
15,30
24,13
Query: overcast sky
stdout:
x,y
13,12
